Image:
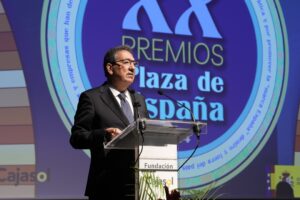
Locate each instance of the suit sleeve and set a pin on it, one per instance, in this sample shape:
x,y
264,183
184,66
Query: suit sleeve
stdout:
x,y
84,135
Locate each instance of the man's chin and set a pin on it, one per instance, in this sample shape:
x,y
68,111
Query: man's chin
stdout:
x,y
130,79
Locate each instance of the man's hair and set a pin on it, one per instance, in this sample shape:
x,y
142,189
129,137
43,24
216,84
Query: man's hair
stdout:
x,y
110,55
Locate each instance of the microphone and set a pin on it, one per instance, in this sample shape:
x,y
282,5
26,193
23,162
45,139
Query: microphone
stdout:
x,y
196,127
136,106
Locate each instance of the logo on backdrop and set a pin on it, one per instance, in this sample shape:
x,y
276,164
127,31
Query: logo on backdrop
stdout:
x,y
160,25
159,50
223,60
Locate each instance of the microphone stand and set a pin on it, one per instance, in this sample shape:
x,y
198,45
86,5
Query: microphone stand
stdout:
x,y
196,126
141,124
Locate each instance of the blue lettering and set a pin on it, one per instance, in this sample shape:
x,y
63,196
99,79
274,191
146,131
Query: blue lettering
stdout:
x,y
217,112
181,83
182,112
199,8
167,109
141,70
164,80
206,83
160,25
217,84
166,84
153,112
152,81
200,106
154,13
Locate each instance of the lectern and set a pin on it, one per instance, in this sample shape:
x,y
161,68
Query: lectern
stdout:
x,y
155,143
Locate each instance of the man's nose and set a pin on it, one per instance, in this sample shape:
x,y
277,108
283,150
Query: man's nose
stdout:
x,y
131,66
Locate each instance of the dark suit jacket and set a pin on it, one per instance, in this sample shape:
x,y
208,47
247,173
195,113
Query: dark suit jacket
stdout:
x,y
97,110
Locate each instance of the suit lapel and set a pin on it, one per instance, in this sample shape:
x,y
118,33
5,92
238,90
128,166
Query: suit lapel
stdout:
x,y
111,102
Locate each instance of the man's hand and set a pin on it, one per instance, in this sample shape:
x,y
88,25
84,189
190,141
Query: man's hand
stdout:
x,y
112,132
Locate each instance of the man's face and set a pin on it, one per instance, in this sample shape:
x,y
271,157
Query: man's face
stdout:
x,y
123,70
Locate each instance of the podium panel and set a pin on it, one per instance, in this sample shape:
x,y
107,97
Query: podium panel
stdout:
x,y
155,143
154,133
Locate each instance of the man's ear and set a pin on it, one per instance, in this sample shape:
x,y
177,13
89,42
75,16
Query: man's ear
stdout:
x,y
109,69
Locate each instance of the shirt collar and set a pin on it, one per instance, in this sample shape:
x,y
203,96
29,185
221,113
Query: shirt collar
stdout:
x,y
116,92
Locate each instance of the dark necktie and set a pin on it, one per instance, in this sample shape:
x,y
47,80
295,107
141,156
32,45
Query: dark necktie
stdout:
x,y
126,107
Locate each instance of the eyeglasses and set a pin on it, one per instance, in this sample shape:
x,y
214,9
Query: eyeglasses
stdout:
x,y
126,62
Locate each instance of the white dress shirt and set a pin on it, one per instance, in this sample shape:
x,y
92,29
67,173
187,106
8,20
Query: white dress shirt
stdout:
x,y
128,98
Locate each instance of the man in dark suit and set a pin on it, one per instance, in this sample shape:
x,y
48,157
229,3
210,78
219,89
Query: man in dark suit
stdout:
x,y
99,118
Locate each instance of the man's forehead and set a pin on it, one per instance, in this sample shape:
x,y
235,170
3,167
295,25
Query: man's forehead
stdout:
x,y
123,54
